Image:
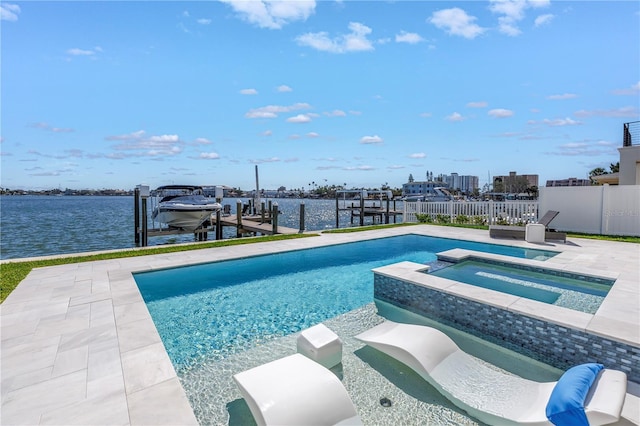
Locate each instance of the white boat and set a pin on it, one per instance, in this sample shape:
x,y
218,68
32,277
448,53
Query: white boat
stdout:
x,y
436,193
183,207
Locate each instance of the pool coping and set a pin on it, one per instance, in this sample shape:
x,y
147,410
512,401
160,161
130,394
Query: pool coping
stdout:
x,y
79,345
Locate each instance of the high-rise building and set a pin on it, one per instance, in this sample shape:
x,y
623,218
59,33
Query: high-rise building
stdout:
x,y
465,184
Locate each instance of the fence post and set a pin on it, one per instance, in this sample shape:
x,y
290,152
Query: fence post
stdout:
x,y
450,211
490,212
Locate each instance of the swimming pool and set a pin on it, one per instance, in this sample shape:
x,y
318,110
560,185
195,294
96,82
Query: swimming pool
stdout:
x,y
544,285
218,309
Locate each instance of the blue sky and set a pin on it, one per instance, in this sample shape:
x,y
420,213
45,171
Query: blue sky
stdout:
x,y
115,94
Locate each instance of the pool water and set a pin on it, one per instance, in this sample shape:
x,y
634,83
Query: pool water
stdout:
x,y
222,308
566,290
367,374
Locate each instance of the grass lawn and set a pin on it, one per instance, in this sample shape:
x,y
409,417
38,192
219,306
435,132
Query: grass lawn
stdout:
x,y
12,272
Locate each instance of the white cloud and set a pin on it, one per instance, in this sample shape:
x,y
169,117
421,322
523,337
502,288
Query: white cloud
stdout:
x,y
513,11
313,135
300,118
425,114
455,21
261,114
589,148
355,41
272,111
265,160
284,88
9,12
633,90
411,38
83,52
456,116
359,168
368,140
543,20
500,113
559,122
418,155
203,21
562,97
272,14
209,155
248,92
162,139
624,112
129,136
160,145
480,104
336,113
267,133
202,141
47,127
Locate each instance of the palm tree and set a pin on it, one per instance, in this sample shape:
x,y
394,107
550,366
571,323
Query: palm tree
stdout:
x,y
615,168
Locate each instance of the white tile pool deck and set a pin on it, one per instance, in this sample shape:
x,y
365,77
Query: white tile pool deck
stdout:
x,y
79,345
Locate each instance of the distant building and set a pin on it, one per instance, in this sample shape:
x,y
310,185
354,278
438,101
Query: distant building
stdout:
x,y
464,184
569,182
514,183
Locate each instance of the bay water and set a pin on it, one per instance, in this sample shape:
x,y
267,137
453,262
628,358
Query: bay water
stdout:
x,y
34,225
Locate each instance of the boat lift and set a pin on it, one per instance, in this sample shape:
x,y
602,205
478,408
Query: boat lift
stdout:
x,y
363,209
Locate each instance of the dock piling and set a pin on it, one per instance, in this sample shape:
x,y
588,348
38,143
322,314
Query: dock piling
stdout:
x,y
302,217
218,225
239,218
141,193
274,219
136,216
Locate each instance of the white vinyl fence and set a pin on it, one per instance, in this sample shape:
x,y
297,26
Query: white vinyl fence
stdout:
x,y
476,212
604,210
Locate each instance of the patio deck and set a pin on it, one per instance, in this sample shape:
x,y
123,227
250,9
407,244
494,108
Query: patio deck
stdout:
x,y
79,345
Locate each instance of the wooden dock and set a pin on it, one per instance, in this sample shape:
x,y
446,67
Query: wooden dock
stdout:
x,y
255,225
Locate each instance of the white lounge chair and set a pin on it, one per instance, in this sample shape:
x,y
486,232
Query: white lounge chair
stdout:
x,y
489,395
296,391
519,232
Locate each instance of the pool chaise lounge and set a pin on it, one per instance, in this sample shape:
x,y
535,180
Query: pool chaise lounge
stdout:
x,y
493,396
519,232
296,390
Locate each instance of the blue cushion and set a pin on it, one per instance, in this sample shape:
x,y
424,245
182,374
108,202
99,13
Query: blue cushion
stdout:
x,y
566,404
